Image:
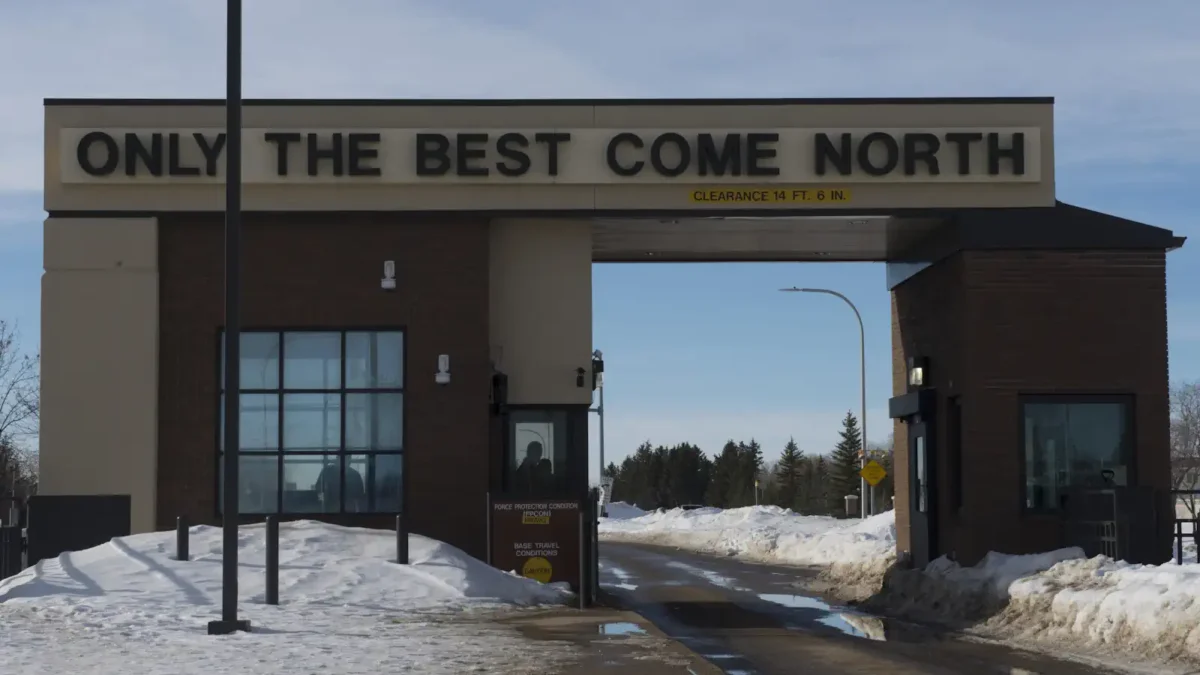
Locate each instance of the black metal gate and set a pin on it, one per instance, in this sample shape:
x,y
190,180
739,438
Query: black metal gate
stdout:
x,y
12,550
1118,522
12,537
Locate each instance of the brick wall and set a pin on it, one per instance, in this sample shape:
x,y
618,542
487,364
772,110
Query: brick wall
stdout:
x,y
323,272
996,324
1057,322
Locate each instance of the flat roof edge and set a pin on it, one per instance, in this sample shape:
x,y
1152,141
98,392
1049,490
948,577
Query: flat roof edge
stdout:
x,y
264,102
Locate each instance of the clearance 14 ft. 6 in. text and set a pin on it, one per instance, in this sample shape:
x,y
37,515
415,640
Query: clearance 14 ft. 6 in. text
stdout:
x,y
771,196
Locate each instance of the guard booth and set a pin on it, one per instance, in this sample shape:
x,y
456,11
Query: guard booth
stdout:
x,y
542,517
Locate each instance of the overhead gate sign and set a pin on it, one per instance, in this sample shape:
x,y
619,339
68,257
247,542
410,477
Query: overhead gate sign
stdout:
x,y
537,539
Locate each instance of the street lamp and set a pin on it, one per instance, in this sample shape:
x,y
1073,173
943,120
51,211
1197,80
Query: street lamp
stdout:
x,y
229,622
862,355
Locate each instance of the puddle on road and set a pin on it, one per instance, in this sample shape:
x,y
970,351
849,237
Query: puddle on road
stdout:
x,y
621,628
856,625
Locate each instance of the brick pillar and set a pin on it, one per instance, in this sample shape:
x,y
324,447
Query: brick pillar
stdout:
x,y
927,312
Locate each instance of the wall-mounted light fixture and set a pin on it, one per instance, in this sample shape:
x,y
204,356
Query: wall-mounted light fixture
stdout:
x,y
918,372
442,376
579,373
388,283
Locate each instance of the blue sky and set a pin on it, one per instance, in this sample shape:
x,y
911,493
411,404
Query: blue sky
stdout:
x,y
694,352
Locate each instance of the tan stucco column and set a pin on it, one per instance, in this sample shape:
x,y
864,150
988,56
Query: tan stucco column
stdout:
x,y
99,398
541,308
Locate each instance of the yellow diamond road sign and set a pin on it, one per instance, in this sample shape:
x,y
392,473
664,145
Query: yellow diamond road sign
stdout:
x,y
873,472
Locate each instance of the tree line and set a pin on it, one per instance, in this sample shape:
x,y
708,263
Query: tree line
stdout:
x,y
655,477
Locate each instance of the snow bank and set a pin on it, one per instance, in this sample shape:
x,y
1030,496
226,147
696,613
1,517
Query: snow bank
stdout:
x,y
623,511
851,548
127,606
1060,597
319,564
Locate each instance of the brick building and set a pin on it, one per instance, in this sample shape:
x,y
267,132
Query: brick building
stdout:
x,y
1039,327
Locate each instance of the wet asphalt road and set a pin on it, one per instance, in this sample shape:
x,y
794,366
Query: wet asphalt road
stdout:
x,y
748,619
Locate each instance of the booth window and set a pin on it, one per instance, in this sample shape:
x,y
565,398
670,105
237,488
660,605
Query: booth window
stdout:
x,y
538,443
321,422
1074,442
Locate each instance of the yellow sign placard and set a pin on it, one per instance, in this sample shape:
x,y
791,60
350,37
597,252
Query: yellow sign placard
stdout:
x,y
873,473
535,518
537,568
770,195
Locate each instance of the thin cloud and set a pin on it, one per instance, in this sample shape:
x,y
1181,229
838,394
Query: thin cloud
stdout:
x,y
1122,74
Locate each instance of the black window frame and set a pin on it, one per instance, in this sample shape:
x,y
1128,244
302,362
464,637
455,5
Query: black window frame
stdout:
x,y
575,475
342,453
1129,400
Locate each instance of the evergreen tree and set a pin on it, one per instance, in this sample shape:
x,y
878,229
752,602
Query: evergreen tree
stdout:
x,y
687,474
640,477
788,475
747,470
769,490
723,474
611,471
844,465
816,499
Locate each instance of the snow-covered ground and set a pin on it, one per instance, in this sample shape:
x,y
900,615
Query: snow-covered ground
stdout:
x,y
1058,598
849,548
128,607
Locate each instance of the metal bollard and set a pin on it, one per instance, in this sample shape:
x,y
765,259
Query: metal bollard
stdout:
x,y
596,545
583,537
1178,542
401,542
488,552
272,560
181,538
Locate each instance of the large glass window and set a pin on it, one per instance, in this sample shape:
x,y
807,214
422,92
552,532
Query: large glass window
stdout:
x,y
321,419
1074,442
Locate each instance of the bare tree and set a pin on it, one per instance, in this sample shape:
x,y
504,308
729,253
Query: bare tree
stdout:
x,y
1185,441
19,411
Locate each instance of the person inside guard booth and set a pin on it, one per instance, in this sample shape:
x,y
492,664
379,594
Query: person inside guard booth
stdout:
x,y
535,475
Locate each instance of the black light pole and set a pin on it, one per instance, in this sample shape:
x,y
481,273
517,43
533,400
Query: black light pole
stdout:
x,y
233,327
